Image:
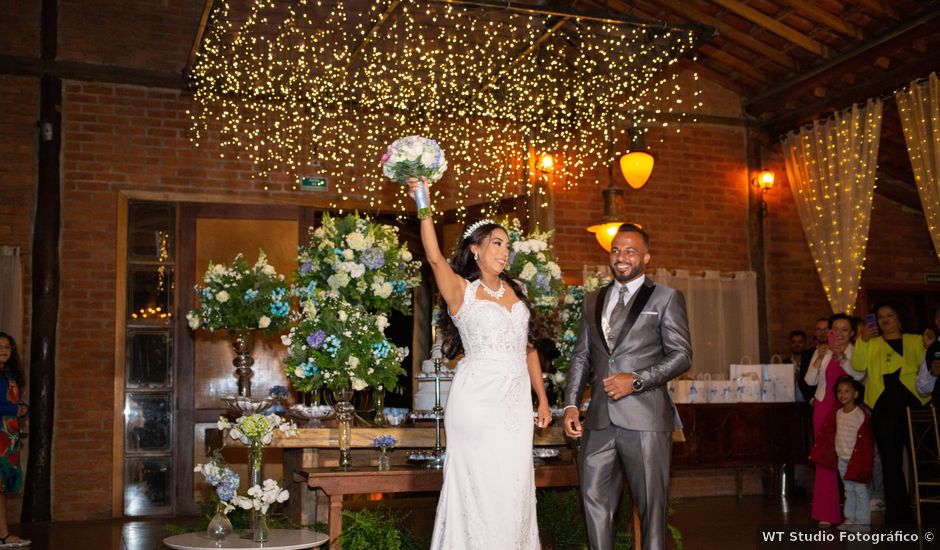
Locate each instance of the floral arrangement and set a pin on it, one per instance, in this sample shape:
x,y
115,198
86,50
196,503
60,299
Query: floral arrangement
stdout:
x,y
533,262
223,479
384,442
338,344
241,297
570,322
257,429
261,498
415,157
359,261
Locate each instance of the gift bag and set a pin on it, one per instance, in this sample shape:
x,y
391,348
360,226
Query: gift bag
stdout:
x,y
776,380
722,391
683,390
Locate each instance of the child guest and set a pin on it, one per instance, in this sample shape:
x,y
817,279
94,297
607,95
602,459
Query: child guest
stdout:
x,y
845,441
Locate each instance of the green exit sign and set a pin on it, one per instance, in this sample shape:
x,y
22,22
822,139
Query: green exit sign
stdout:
x,y
313,183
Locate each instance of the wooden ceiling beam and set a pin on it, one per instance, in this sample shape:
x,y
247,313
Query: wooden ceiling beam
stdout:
x,y
888,83
90,72
887,43
821,16
780,29
879,7
733,62
741,38
200,32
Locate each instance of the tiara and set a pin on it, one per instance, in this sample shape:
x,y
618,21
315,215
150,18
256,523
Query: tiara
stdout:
x,y
476,225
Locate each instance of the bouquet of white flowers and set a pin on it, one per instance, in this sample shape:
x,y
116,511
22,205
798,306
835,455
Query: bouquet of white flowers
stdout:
x,y
359,261
339,345
415,157
241,297
261,498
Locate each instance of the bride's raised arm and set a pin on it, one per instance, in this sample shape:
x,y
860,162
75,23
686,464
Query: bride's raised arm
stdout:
x,y
451,285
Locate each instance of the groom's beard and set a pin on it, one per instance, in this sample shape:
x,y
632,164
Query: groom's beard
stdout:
x,y
627,276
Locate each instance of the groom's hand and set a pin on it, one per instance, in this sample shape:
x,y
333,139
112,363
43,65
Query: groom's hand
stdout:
x,y
572,423
618,385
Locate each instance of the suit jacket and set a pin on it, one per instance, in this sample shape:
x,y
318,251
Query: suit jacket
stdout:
x,y
653,344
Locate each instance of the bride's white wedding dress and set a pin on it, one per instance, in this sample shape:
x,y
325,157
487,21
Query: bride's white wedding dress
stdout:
x,y
488,498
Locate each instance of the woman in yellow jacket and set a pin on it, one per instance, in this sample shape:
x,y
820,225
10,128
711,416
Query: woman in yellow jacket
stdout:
x,y
892,361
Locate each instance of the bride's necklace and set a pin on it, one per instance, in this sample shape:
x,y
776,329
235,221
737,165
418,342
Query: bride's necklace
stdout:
x,y
495,294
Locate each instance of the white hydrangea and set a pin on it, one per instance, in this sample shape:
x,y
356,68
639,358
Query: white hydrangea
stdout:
x,y
222,296
358,384
554,270
528,272
381,322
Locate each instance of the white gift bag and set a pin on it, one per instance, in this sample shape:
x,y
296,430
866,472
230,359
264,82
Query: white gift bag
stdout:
x,y
683,389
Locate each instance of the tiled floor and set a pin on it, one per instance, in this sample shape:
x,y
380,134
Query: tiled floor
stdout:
x,y
706,523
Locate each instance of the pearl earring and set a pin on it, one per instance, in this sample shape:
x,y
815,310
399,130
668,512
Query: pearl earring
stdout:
x,y
476,256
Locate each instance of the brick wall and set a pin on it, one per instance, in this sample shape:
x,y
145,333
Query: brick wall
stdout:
x,y
19,110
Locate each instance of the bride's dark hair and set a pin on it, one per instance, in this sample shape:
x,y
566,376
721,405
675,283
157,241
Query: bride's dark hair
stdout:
x,y
464,265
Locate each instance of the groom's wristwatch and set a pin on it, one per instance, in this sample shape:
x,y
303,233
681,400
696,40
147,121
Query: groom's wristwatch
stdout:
x,y
637,384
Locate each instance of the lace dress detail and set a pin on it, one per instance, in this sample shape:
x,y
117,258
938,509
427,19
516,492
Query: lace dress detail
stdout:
x,y
488,497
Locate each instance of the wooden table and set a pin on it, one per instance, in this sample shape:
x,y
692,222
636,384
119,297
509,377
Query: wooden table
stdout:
x,y
280,539
403,479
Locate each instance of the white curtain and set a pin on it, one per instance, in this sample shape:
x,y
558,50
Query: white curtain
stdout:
x,y
11,293
919,107
722,316
831,167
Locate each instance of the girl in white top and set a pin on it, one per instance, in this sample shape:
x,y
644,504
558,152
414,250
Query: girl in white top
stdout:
x,y
822,357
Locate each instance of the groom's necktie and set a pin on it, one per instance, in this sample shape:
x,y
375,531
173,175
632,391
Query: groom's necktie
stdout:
x,y
617,317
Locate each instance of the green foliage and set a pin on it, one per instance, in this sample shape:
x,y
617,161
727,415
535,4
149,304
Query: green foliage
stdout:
x,y
371,530
241,296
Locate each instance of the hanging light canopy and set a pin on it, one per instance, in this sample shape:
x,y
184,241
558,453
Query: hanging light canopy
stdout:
x,y
547,163
637,163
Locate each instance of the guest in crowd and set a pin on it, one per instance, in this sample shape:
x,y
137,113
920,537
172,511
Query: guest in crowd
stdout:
x,y
797,347
11,410
633,339
845,442
930,368
832,361
892,360
820,338
488,494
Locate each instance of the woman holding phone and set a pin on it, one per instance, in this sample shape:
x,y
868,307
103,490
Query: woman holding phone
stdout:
x,y
891,360
831,361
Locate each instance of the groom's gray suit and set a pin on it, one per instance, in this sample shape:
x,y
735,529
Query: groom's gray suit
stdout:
x,y
633,434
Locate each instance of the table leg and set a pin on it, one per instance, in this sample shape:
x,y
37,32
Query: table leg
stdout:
x,y
335,521
638,540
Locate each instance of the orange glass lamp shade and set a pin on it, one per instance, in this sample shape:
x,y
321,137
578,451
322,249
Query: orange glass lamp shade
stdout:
x,y
764,180
546,163
637,167
604,233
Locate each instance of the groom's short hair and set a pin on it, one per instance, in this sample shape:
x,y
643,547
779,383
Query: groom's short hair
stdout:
x,y
632,228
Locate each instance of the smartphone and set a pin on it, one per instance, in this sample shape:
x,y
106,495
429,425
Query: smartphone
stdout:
x,y
871,320
832,338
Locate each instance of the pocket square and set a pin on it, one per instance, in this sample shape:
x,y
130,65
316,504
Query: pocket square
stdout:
x,y
649,313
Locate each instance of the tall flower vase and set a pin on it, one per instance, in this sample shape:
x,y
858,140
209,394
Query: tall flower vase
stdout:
x,y
344,414
219,526
385,461
242,342
261,532
255,466
379,397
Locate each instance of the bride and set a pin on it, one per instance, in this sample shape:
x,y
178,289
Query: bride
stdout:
x,y
488,498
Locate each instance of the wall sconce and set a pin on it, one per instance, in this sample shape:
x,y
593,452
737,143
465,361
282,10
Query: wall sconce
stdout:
x,y
546,164
637,163
764,181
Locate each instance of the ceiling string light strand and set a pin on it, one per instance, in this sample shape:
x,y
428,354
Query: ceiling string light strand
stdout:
x,y
270,73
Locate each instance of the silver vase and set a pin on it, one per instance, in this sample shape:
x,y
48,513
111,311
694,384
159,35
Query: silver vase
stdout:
x,y
242,342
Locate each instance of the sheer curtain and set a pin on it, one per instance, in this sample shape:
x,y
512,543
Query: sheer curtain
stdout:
x,y
11,293
831,167
919,107
722,316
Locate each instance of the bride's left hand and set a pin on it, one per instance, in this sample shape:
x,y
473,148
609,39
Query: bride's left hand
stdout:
x,y
544,416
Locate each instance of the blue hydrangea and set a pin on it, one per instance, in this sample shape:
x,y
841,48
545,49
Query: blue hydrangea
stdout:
x,y
331,345
305,268
315,339
373,258
541,280
250,294
380,350
280,309
310,369
385,442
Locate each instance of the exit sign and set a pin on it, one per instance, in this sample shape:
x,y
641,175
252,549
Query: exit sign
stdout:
x,y
313,183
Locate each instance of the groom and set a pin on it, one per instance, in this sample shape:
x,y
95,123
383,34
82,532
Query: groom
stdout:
x,y
634,337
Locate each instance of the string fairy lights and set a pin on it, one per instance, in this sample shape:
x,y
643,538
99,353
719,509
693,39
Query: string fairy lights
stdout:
x,y
832,166
307,84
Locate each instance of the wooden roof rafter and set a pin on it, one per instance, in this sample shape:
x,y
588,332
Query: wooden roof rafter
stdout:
x,y
780,29
821,16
